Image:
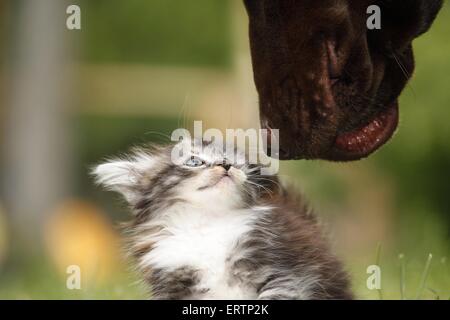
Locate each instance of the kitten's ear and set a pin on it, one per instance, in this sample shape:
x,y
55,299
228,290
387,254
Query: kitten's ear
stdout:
x,y
120,176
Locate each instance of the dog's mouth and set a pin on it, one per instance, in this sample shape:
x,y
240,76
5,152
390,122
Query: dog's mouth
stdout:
x,y
361,142
333,135
336,108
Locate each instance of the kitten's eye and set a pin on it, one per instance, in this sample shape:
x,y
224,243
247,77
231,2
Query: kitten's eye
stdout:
x,y
194,162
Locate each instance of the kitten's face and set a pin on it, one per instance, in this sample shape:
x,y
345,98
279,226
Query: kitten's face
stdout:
x,y
198,173
207,172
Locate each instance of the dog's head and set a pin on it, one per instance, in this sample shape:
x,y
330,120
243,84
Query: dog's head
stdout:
x,y
327,81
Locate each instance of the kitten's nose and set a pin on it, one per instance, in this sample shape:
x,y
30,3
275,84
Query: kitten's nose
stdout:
x,y
226,166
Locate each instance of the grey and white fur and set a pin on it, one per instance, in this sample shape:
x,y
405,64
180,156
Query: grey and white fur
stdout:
x,y
205,227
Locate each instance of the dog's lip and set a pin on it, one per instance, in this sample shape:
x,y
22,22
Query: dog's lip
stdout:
x,y
363,141
350,145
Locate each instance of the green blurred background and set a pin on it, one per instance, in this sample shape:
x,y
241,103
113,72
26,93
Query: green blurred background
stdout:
x,y
140,69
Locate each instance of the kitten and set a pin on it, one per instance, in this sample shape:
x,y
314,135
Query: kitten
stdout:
x,y
205,227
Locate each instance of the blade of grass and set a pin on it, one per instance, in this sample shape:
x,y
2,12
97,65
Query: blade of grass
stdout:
x,y
377,262
401,257
424,277
436,295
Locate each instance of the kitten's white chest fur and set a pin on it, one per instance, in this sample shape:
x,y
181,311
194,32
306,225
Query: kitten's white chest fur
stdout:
x,y
202,239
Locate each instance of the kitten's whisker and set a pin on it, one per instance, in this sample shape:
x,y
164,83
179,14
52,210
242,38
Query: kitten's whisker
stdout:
x,y
265,179
260,186
164,135
181,114
252,170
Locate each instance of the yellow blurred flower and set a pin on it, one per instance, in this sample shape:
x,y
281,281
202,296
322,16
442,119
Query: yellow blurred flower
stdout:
x,y
79,234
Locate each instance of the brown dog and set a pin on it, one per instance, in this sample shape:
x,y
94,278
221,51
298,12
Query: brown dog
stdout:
x,y
325,80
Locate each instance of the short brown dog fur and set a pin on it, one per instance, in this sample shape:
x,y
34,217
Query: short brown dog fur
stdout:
x,y
329,83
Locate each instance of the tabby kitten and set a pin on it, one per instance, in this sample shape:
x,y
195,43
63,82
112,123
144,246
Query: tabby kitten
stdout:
x,y
207,227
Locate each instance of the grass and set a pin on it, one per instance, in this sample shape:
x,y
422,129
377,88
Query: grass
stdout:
x,y
378,263
38,279
401,258
424,290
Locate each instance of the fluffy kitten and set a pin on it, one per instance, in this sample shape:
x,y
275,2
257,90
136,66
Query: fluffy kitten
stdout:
x,y
205,227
